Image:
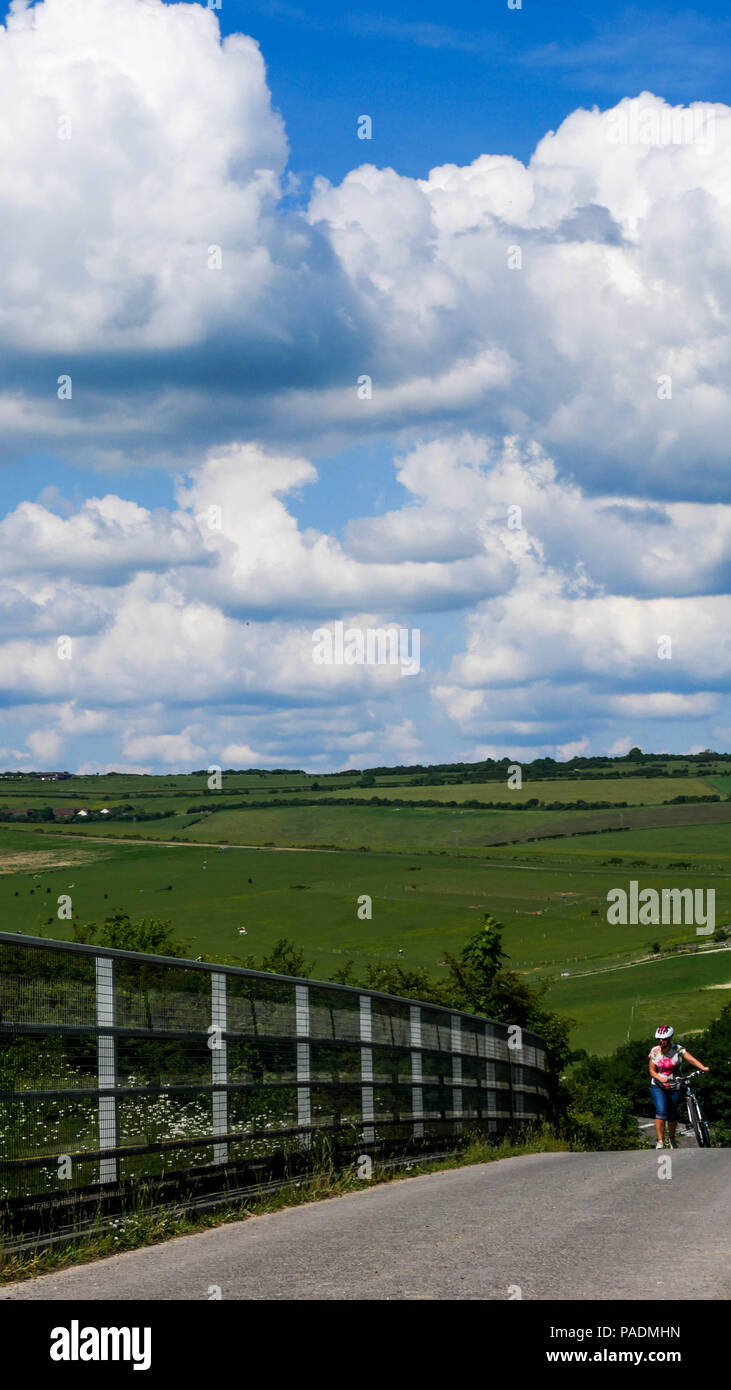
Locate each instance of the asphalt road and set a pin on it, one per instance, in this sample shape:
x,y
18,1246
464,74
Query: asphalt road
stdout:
x,y
559,1226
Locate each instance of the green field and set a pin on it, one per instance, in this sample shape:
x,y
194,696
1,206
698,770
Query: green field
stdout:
x,y
705,844
635,791
441,829
431,872
181,791
638,998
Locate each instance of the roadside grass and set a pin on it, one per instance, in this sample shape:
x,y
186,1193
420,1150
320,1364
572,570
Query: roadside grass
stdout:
x,y
148,1225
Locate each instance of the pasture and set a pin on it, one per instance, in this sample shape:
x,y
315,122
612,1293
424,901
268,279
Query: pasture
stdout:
x,y
430,872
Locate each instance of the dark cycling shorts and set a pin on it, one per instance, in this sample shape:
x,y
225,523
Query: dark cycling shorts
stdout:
x,y
667,1103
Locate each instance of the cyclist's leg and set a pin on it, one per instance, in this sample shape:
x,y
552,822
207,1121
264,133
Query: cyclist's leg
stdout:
x,y
659,1100
674,1098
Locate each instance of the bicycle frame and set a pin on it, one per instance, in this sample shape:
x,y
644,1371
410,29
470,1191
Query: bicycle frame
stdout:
x,y
691,1100
687,1083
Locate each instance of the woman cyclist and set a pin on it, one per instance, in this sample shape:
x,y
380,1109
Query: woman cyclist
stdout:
x,y
665,1087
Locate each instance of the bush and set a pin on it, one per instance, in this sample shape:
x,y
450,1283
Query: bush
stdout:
x,y
601,1119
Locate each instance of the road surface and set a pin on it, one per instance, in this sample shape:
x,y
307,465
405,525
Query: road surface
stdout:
x,y
558,1226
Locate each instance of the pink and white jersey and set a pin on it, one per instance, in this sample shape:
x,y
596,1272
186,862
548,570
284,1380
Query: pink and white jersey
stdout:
x,y
668,1063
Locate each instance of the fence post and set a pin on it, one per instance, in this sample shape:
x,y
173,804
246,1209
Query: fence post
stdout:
x,y
511,1093
219,1062
106,1051
366,1070
495,1095
489,1092
457,1073
304,1096
516,1077
417,1093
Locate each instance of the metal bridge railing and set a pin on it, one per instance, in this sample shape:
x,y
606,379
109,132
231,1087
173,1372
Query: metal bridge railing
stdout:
x,y
116,1066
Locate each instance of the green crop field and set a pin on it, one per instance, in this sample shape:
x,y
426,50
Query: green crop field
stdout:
x,y
636,791
430,871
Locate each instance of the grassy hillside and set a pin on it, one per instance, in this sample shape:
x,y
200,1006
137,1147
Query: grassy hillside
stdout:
x,y
430,872
620,1005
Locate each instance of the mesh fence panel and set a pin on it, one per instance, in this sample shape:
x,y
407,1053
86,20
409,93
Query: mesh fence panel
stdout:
x,y
117,1067
161,998
46,987
261,1007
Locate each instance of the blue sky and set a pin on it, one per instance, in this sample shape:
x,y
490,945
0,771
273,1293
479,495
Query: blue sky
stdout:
x,y
236,388
443,84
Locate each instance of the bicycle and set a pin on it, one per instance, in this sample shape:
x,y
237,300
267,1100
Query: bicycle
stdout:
x,y
695,1115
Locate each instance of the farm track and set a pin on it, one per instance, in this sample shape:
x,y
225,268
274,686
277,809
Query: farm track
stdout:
x,y
645,960
200,844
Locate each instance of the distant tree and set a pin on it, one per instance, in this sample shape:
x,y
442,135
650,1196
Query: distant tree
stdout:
x,y
284,959
344,975
474,971
635,755
149,935
392,978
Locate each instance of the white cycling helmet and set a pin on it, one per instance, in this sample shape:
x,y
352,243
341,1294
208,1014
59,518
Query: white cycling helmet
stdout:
x,y
664,1031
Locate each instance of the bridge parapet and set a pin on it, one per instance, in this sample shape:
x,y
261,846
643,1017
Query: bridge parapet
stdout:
x,y
118,1068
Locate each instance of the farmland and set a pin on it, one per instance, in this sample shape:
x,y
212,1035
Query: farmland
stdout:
x,y
431,871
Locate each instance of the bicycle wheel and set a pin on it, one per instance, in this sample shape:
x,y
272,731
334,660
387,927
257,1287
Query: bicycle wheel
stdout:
x,y
700,1128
